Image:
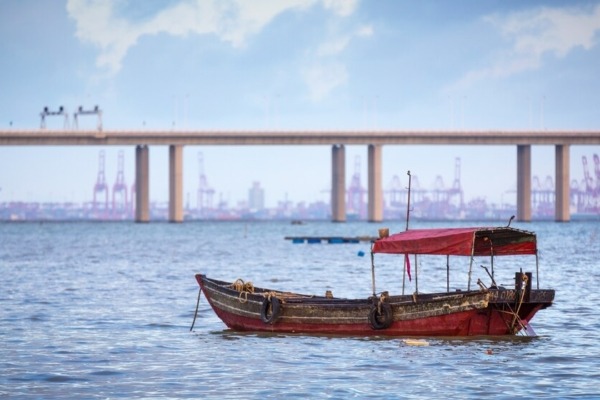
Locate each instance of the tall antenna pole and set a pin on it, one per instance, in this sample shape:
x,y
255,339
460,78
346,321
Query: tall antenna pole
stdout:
x,y
408,202
406,260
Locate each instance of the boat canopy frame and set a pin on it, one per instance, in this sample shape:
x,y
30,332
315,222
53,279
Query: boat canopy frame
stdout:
x,y
470,242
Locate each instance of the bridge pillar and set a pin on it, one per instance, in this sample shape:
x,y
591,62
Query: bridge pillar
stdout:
x,y
524,183
562,190
176,183
142,184
338,183
375,189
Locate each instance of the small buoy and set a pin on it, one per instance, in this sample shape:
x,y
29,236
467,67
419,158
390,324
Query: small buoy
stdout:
x,y
360,253
415,342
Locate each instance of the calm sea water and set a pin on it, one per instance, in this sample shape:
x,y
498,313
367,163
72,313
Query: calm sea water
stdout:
x,y
104,309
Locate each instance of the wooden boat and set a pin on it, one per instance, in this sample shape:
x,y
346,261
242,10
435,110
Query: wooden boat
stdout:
x,y
483,310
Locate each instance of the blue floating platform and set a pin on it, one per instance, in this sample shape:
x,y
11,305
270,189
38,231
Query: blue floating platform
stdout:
x,y
330,239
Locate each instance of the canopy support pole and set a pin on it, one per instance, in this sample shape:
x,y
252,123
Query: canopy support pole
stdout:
x,y
416,276
471,262
373,270
470,269
492,258
448,273
404,275
537,270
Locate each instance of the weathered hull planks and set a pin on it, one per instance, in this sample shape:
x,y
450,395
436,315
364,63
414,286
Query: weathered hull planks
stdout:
x,y
443,314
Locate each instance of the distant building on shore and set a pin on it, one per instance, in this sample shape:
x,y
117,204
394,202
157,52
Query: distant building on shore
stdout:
x,y
256,197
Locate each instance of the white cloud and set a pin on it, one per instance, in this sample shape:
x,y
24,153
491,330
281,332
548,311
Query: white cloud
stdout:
x,y
365,31
554,31
535,34
323,78
333,47
232,21
324,75
249,17
341,7
338,44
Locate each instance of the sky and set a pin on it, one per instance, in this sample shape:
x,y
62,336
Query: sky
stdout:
x,y
294,64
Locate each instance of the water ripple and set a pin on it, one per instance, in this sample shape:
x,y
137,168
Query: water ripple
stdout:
x,y
104,310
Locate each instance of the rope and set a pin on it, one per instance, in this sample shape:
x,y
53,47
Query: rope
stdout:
x,y
382,299
269,295
196,312
244,288
509,312
515,314
247,287
520,302
384,296
283,296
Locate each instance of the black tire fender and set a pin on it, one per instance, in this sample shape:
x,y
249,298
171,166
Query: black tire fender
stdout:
x,y
380,316
274,305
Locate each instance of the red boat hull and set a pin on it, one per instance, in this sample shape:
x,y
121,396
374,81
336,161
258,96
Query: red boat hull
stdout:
x,y
472,313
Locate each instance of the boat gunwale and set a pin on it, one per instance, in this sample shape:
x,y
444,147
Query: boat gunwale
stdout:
x,y
294,297
308,314
542,296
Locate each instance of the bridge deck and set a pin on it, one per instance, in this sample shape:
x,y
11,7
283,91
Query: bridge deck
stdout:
x,y
298,137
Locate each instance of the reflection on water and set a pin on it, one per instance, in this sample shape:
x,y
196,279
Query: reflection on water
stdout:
x,y
104,310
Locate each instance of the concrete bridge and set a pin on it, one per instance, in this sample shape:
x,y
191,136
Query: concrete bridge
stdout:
x,y
176,139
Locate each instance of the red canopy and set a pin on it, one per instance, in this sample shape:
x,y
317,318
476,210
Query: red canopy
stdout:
x,y
459,241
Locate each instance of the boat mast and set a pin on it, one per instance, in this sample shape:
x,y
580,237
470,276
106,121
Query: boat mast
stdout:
x,y
407,219
408,201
